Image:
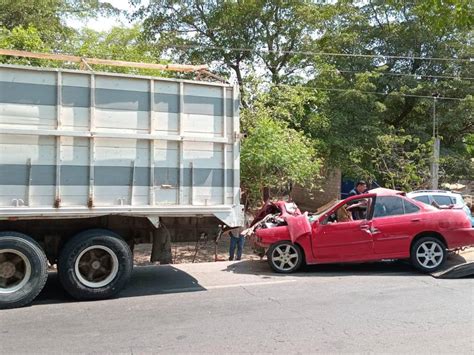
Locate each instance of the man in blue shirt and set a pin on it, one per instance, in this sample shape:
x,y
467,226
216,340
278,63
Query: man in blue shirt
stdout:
x,y
358,209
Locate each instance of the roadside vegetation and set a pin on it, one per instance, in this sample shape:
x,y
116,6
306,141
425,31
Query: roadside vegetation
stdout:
x,y
323,85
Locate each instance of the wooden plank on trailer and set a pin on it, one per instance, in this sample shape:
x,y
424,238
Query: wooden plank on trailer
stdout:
x,y
88,61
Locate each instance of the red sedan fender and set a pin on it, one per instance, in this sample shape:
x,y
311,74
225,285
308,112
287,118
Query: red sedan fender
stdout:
x,y
298,226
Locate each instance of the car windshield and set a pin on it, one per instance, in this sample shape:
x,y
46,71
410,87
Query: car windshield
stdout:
x,y
326,208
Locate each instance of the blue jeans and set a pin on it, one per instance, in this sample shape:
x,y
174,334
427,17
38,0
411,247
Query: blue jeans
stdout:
x,y
236,242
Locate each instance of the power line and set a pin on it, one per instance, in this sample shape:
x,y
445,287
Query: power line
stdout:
x,y
407,74
327,54
313,88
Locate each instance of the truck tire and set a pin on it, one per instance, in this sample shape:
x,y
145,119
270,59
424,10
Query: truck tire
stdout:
x,y
95,264
23,269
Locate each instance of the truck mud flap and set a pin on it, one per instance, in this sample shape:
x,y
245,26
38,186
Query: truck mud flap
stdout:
x,y
457,266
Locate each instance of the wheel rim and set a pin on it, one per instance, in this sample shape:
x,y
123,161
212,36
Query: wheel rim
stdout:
x,y
285,257
96,266
15,270
429,254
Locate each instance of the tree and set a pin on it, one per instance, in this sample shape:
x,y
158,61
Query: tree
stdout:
x,y
48,16
234,35
395,48
111,45
401,161
275,156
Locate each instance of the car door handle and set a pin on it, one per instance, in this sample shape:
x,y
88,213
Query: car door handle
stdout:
x,y
365,227
416,220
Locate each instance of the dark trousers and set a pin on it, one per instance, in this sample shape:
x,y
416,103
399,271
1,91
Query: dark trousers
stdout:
x,y
236,242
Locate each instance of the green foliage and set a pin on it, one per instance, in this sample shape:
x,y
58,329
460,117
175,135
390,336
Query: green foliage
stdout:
x,y
378,86
28,39
469,141
48,16
401,161
234,35
119,44
446,13
275,156
44,15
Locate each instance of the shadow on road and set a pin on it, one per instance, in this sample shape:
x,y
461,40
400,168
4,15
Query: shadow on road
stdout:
x,y
386,268
145,280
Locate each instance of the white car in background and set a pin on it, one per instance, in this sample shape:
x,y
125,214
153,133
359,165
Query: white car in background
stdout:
x,y
441,198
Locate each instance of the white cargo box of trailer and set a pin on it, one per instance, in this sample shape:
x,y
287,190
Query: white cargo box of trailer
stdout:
x,y
81,144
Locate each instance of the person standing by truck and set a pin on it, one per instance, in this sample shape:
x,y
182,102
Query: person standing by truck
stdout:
x,y
237,239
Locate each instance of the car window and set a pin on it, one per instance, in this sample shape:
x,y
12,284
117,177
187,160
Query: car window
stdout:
x,y
409,207
424,199
351,211
443,200
388,206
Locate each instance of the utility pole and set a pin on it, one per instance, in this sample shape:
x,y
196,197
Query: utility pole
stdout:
x,y
436,146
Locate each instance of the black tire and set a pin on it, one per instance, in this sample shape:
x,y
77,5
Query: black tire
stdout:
x,y
285,257
23,267
428,254
95,264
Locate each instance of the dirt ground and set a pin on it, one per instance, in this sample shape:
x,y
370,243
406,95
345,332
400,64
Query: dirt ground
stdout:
x,y
186,252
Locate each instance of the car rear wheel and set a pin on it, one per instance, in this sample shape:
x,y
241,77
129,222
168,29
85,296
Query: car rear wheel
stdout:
x,y
428,254
95,264
285,257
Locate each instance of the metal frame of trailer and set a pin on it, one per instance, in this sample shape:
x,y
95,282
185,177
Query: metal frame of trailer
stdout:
x,y
227,211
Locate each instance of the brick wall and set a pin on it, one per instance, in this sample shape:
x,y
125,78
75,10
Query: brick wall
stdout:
x,y
310,200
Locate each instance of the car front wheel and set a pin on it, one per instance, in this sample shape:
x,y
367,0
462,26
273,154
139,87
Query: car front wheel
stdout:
x,y
285,257
428,254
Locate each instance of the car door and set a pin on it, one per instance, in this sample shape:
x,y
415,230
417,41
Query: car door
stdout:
x,y
395,221
342,241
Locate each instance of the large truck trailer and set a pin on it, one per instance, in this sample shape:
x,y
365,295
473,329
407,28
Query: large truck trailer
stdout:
x,y
91,163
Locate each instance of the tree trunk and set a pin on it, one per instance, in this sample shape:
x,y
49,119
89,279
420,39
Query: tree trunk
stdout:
x,y
266,194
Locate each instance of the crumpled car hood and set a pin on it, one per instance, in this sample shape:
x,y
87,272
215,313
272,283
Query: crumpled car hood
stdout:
x,y
298,226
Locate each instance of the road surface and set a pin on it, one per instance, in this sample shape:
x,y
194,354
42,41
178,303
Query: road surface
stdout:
x,y
242,307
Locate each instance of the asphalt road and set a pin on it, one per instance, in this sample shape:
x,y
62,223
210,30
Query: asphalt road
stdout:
x,y
242,307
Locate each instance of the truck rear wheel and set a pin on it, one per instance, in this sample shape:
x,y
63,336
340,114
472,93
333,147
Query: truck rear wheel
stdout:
x,y
95,264
23,269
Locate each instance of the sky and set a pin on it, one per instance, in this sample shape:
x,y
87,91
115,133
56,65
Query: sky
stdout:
x,y
105,23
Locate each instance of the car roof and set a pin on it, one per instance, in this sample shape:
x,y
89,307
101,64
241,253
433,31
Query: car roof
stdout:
x,y
381,191
425,192
433,192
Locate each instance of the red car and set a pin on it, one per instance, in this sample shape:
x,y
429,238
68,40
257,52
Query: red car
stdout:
x,y
392,227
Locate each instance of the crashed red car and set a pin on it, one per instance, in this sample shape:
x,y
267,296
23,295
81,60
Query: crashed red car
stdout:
x,y
393,227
